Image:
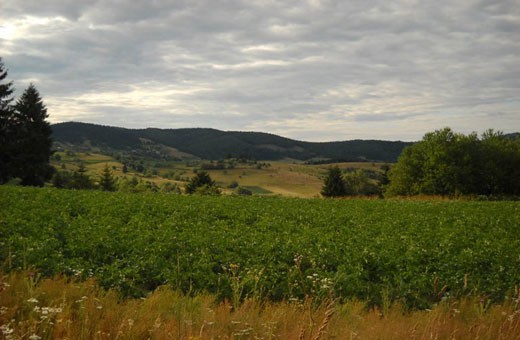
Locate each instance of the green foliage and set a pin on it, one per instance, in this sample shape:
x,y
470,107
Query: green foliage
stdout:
x,y
243,191
62,180
207,190
33,139
25,136
80,179
134,185
357,183
373,250
170,188
7,140
107,181
448,163
202,184
334,185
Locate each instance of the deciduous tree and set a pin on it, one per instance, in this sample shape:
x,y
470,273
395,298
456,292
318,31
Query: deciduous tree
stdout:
x,y
449,164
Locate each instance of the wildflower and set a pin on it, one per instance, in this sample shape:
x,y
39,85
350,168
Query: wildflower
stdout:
x,y
6,330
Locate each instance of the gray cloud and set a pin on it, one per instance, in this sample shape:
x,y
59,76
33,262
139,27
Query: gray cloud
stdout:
x,y
319,70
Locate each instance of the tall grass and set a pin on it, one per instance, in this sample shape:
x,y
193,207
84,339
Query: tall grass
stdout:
x,y
58,308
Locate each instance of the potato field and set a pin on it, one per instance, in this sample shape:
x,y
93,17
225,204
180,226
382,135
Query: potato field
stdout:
x,y
418,252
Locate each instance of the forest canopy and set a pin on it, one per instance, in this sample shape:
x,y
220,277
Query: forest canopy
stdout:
x,y
450,164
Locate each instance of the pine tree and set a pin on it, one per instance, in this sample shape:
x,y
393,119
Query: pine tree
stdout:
x,y
33,139
334,185
80,178
201,181
6,121
107,182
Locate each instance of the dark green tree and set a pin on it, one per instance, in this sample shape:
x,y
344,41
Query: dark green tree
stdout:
x,y
385,168
62,179
450,164
200,182
499,164
33,145
6,126
107,181
80,179
334,185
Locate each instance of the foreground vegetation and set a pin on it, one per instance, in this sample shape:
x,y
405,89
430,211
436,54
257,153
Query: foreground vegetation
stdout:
x,y
35,308
378,251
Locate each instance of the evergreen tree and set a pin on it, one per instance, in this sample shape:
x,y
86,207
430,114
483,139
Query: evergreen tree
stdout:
x,y
200,182
6,130
107,182
62,180
33,139
334,185
80,179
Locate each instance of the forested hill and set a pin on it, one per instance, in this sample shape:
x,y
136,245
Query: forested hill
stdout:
x,y
216,144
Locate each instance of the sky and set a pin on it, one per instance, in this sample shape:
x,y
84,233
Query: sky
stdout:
x,y
313,70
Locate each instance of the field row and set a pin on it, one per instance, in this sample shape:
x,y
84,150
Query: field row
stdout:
x,y
380,251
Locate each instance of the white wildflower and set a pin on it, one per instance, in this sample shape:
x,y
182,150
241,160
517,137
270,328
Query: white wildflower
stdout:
x,y
6,330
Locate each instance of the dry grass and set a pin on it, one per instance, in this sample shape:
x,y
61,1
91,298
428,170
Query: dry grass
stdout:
x,y
286,178
60,309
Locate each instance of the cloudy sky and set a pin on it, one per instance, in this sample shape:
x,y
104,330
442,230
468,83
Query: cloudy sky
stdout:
x,y
314,70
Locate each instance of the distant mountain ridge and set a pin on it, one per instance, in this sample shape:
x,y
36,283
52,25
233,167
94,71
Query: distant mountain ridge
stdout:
x,y
212,144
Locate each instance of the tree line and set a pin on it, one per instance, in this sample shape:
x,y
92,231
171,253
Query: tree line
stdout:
x,y
444,163
25,135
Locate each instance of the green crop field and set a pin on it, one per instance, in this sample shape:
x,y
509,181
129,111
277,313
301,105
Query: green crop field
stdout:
x,y
417,252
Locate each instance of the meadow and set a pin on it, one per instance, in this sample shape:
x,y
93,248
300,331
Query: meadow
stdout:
x,y
35,308
287,178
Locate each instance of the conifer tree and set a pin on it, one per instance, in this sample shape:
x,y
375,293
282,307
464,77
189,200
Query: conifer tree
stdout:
x,y
107,182
80,178
33,141
334,185
201,181
6,121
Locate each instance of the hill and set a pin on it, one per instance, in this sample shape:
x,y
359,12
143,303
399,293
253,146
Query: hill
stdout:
x,y
215,144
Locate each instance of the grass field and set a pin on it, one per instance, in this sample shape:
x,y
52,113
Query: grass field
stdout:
x,y
58,308
285,178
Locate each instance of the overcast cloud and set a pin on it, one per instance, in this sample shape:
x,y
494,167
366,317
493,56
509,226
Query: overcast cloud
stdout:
x,y
310,70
